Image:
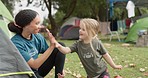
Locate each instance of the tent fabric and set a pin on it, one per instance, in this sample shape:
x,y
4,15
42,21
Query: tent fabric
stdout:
x,y
71,21
69,32
12,64
141,24
5,18
5,12
70,29
4,27
64,29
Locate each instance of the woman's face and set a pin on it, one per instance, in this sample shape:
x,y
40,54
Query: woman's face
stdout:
x,y
34,26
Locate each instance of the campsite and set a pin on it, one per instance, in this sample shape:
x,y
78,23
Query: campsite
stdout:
x,y
121,46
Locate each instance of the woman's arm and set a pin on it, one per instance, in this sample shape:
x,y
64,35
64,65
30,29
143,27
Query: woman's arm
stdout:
x,y
109,60
36,63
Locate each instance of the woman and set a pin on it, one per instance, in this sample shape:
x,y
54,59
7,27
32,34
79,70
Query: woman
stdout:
x,y
30,44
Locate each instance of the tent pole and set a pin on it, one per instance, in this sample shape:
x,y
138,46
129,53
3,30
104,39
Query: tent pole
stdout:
x,y
107,15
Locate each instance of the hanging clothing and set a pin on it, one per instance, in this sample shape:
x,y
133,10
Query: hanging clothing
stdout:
x,y
130,9
111,9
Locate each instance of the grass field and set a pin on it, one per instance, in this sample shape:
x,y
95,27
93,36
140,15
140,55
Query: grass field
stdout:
x,y
134,60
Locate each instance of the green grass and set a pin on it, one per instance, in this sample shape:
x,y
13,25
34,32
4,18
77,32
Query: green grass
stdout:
x,y
121,55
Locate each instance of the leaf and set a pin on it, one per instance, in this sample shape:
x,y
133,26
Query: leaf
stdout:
x,y
125,45
145,74
118,76
74,74
78,76
68,71
132,65
142,69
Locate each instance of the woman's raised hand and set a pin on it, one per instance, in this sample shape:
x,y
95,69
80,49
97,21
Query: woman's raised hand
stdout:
x,y
51,37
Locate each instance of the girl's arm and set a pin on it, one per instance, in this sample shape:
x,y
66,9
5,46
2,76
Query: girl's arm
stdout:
x,y
109,60
61,48
64,50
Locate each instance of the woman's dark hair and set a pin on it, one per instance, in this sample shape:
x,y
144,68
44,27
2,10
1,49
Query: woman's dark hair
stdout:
x,y
23,18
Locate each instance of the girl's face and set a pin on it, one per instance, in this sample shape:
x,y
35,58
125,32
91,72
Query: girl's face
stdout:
x,y
83,33
34,26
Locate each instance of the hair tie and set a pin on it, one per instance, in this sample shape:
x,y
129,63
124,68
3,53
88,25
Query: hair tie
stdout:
x,y
95,36
17,25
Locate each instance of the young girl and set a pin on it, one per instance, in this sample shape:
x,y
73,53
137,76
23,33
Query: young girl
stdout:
x,y
30,44
90,50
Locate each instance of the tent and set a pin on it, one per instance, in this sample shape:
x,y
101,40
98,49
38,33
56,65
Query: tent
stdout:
x,y
5,18
140,24
70,29
69,32
12,64
133,32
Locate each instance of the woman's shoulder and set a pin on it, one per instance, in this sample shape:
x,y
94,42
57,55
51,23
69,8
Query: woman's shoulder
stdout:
x,y
16,37
38,35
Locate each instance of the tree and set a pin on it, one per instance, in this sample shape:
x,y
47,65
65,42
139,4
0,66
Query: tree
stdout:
x,y
9,4
69,8
49,4
83,8
68,12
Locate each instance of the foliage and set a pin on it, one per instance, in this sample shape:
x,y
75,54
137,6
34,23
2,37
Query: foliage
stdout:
x,y
83,8
120,14
58,17
144,10
9,4
78,8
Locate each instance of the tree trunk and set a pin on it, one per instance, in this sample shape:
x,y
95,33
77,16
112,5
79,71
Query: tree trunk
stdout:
x,y
54,27
70,9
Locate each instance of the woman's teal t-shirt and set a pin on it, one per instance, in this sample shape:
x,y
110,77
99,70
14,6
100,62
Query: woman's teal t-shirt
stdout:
x,y
30,48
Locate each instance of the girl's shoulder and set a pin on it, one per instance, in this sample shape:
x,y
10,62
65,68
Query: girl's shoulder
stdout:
x,y
96,41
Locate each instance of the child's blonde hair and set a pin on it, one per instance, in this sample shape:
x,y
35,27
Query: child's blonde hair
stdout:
x,y
91,26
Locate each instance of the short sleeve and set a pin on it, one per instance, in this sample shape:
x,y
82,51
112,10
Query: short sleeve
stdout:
x,y
73,47
101,49
23,52
43,46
